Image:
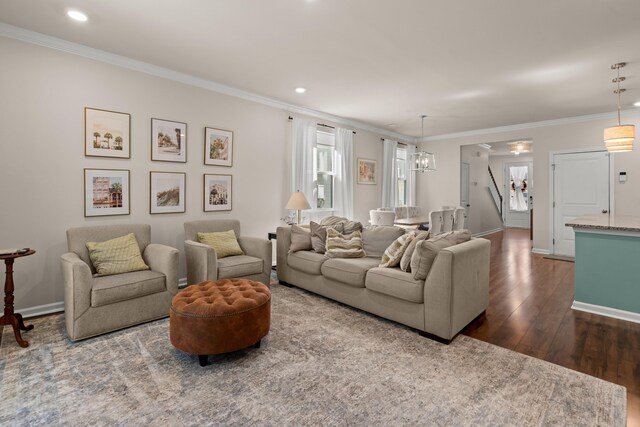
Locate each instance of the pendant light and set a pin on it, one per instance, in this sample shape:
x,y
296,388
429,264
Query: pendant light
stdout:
x,y
423,161
619,138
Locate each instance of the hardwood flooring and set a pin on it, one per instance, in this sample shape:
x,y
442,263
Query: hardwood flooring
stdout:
x,y
530,312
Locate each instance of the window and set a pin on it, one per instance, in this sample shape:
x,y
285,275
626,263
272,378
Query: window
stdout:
x,y
325,170
401,172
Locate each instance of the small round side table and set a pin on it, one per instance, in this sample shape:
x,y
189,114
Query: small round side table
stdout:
x,y
9,317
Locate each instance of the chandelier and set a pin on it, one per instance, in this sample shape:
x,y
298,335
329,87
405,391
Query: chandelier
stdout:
x,y
619,138
422,161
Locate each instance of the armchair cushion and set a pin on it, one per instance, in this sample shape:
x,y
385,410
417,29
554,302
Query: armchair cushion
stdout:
x,y
116,256
121,287
239,266
225,243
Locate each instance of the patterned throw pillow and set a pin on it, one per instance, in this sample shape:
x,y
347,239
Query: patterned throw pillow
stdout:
x,y
394,252
116,256
344,246
300,239
319,235
223,242
405,262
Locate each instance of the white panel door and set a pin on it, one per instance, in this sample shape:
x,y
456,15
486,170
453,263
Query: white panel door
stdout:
x,y
580,187
518,189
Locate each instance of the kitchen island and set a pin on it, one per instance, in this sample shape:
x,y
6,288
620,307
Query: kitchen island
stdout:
x,y
607,272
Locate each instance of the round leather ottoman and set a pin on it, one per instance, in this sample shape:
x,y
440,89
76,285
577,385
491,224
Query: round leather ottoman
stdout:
x,y
219,317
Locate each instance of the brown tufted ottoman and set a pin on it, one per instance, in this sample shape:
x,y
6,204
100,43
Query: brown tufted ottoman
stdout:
x,y
220,316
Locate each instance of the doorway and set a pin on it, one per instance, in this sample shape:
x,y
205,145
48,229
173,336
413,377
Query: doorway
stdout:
x,y
464,190
518,194
581,184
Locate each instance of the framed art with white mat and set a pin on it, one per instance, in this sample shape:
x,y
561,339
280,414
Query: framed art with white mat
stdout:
x,y
106,192
107,133
217,192
168,141
167,192
218,147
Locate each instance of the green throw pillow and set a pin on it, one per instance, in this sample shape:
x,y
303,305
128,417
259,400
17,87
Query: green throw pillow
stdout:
x,y
224,243
116,256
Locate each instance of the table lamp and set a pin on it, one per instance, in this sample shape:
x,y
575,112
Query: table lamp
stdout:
x,y
298,202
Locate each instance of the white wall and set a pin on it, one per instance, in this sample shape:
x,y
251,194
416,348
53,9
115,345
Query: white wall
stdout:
x,y
483,215
44,93
443,187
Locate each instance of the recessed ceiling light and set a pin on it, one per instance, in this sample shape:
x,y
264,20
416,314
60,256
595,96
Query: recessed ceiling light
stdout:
x,y
76,15
300,90
636,104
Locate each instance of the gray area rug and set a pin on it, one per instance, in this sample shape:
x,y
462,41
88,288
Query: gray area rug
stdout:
x,y
322,364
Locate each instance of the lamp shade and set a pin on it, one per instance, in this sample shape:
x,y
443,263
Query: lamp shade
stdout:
x,y
619,138
298,201
423,161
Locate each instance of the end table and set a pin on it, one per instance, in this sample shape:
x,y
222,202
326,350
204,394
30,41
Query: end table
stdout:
x,y
9,317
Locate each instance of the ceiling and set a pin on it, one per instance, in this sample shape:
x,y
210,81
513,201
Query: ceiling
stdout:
x,y
502,149
467,64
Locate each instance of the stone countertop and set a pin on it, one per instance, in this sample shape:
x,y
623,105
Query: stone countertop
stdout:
x,y
606,222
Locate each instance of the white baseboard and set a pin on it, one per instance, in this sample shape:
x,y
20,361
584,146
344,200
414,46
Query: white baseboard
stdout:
x,y
58,307
39,310
606,311
540,251
486,233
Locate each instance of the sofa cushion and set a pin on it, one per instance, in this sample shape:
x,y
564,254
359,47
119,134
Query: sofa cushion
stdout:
x,y
239,266
300,239
396,283
116,256
121,287
224,243
393,254
306,261
405,262
344,246
377,238
349,271
319,235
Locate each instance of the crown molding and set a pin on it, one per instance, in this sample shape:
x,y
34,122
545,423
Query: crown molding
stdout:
x,y
32,37
523,126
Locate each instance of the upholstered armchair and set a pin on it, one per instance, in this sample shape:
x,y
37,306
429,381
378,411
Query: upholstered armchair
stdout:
x,y
95,305
203,263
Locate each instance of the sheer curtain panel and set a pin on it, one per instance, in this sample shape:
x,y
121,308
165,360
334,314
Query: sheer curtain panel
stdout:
x,y
343,198
302,167
389,174
411,178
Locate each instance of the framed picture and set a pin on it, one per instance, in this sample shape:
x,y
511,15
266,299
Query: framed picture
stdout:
x,y
107,133
167,192
217,192
106,192
366,171
168,141
218,147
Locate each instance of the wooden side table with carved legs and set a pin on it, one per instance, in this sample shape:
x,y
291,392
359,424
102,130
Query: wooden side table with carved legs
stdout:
x,y
9,317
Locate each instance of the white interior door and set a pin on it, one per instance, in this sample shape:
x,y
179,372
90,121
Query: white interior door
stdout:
x,y
518,189
464,191
580,187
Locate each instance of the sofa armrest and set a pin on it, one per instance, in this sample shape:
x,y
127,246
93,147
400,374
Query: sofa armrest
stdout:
x,y
163,259
457,287
258,248
78,282
202,262
283,243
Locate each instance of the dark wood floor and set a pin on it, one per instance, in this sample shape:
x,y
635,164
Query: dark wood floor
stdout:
x,y
530,312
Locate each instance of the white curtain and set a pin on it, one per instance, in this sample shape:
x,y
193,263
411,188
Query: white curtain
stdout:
x,y
343,192
518,175
411,178
302,167
389,174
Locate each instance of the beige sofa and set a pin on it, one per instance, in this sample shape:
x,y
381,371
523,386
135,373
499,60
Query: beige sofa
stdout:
x,y
454,293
